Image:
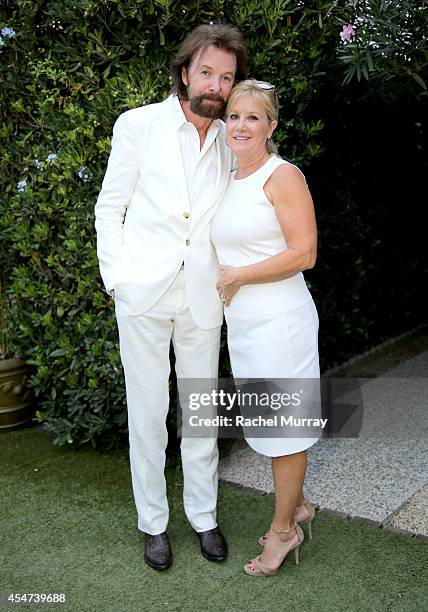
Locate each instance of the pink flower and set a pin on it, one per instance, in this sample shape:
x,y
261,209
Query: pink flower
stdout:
x,y
347,33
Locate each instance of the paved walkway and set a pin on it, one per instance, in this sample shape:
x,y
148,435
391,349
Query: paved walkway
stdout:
x,y
382,475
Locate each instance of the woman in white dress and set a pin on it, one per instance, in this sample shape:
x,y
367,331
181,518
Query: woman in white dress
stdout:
x,y
265,236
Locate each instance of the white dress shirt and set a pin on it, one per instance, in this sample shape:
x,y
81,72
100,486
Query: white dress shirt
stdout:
x,y
200,165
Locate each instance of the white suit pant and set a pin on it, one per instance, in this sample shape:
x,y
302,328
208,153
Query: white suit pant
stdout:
x,y
144,347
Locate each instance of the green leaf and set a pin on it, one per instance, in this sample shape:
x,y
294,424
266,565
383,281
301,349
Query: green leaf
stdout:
x,y
58,353
419,80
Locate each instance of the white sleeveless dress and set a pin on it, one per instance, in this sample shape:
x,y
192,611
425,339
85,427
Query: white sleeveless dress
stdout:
x,y
272,327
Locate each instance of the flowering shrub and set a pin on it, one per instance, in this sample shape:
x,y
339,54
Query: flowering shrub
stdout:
x,y
5,34
68,70
383,40
348,33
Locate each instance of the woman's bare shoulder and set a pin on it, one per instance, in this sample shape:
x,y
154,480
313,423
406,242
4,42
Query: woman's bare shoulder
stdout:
x,y
287,171
284,182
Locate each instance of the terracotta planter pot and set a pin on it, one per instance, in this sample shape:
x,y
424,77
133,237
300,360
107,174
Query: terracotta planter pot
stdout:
x,y
16,406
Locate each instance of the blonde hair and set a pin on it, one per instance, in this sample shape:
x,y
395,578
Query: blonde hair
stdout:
x,y
267,97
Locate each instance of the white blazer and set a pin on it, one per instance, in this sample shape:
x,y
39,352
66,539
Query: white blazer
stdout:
x,y
144,221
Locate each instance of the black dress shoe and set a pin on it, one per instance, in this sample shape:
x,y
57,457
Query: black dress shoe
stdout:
x,y
157,551
213,544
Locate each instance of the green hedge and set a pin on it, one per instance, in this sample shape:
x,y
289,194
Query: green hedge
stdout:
x,y
68,69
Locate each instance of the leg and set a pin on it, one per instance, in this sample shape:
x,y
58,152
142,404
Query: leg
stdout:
x,y
301,499
144,347
289,474
304,512
196,351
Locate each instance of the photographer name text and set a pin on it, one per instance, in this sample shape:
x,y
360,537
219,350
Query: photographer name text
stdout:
x,y
259,421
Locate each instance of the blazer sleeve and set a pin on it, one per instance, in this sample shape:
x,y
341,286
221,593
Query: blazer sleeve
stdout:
x,y
117,188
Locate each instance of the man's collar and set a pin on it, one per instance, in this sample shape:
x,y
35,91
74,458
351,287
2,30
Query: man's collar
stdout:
x,y
179,116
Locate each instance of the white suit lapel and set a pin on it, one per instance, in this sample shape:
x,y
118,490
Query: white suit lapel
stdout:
x,y
171,153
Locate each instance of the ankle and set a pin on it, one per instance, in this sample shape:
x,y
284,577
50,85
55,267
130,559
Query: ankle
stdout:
x,y
282,526
283,531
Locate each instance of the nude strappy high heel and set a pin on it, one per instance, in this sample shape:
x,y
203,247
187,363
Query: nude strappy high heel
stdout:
x,y
255,567
307,521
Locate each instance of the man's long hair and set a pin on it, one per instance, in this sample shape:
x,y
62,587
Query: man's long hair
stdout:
x,y
223,36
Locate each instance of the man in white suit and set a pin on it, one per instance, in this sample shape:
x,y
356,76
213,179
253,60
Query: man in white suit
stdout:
x,y
167,172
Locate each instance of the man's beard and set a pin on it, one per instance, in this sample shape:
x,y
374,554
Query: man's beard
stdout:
x,y
207,110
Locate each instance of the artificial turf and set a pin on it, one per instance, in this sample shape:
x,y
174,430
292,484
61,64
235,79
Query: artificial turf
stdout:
x,y
68,525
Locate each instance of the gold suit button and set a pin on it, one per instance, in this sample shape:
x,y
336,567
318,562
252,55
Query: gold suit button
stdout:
x,y
187,242
186,215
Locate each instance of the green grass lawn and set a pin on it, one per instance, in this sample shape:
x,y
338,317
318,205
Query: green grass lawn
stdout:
x,y
69,526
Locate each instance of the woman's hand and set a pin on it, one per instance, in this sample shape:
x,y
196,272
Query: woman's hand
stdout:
x,y
228,284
